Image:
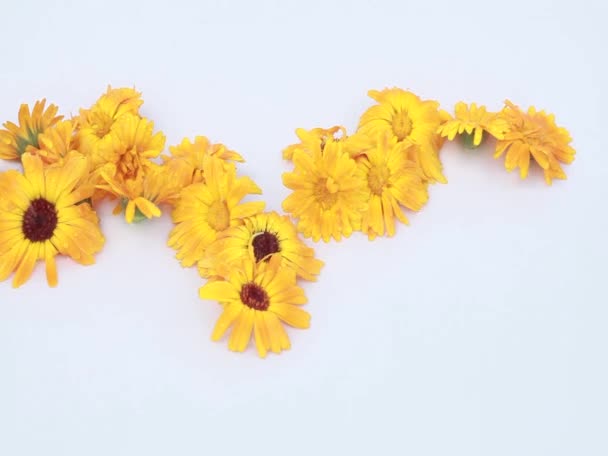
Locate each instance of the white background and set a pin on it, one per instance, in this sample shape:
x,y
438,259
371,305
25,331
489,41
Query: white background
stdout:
x,y
481,329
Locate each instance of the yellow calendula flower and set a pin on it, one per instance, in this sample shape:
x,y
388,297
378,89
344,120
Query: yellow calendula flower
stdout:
x,y
15,140
141,198
329,192
206,209
57,142
95,124
309,139
410,121
256,300
355,145
187,158
258,238
473,121
534,134
42,214
393,181
133,144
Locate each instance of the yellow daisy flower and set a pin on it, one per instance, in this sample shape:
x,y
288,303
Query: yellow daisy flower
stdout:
x,y
42,215
206,209
393,181
57,142
15,140
329,192
133,145
355,145
473,121
258,238
309,139
534,134
141,198
409,120
256,299
187,158
95,124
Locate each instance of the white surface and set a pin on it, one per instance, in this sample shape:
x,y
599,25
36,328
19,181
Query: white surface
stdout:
x,y
478,330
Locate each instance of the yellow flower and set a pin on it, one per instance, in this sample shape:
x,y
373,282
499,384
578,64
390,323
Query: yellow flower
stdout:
x,y
256,299
393,181
534,134
57,142
187,158
95,124
473,121
132,145
141,198
409,120
206,209
42,215
257,239
309,139
355,145
329,192
18,139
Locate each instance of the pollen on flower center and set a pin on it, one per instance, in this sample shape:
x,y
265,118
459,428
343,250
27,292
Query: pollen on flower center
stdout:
x,y
39,221
402,125
264,244
377,179
218,216
254,296
326,192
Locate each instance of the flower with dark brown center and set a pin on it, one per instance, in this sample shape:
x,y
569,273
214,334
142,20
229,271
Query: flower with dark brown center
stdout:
x,y
254,296
39,221
265,244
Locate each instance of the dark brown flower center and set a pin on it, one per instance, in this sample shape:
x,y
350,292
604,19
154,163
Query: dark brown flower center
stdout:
x,y
254,296
264,244
39,221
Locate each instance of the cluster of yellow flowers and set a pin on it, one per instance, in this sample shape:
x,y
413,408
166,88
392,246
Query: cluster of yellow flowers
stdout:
x,y
362,182
252,259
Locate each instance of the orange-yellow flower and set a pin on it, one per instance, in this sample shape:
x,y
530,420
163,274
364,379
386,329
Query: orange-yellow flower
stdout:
x,y
124,160
256,300
393,182
15,140
329,192
205,209
258,238
474,121
95,124
42,214
410,121
534,134
187,159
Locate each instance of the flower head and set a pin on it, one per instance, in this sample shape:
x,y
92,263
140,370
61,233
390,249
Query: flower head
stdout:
x,y
310,139
473,121
187,158
329,192
258,238
256,300
15,140
141,198
95,124
57,142
124,160
393,181
534,134
42,214
408,120
206,209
